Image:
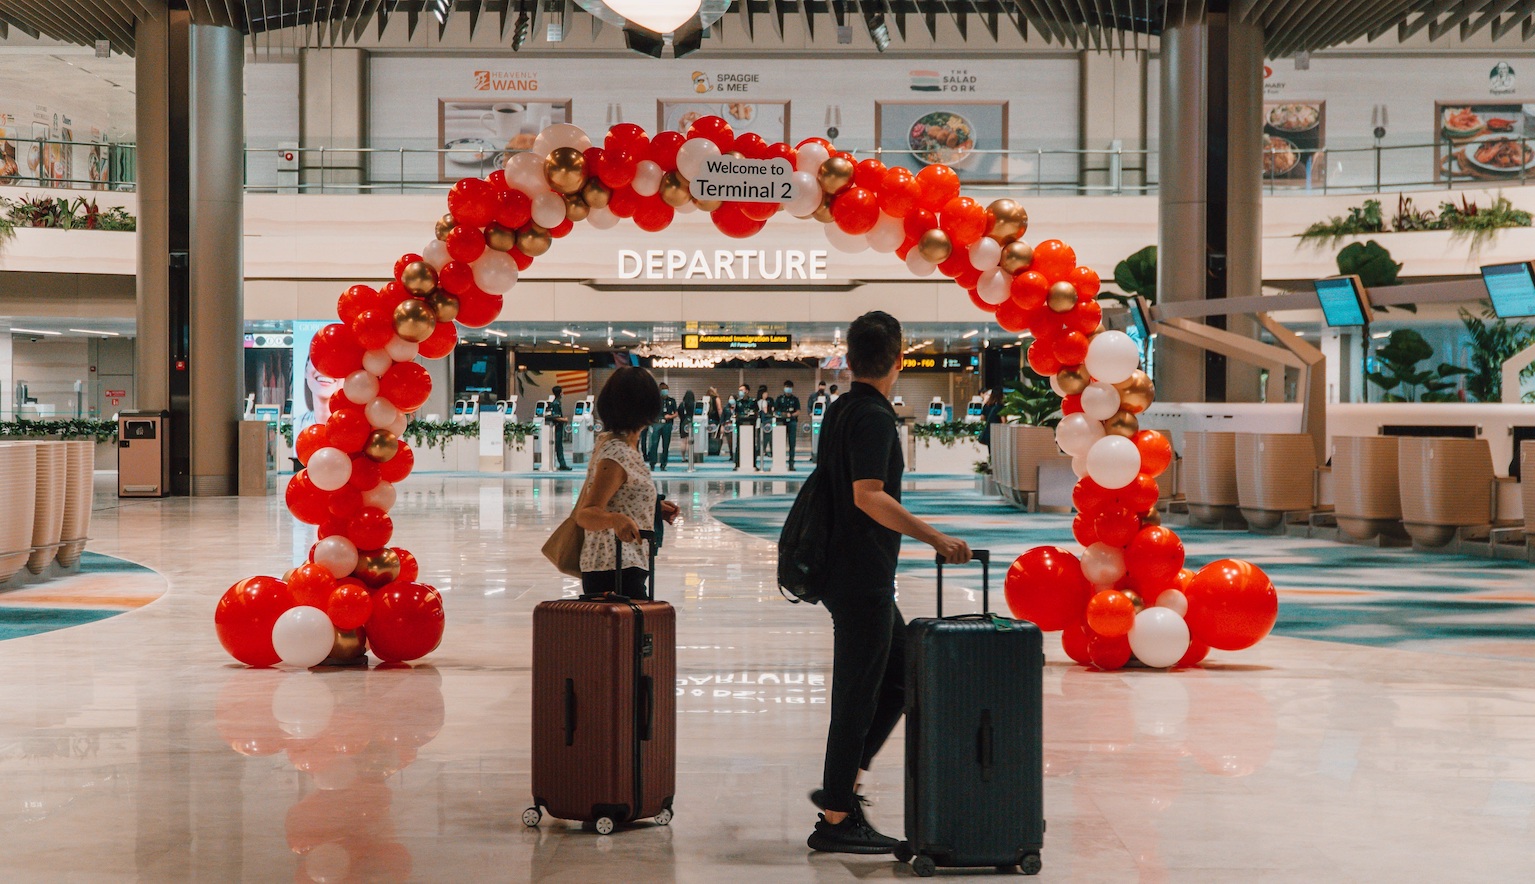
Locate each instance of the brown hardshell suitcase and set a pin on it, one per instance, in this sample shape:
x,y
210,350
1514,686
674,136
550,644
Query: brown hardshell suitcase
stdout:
x,y
604,710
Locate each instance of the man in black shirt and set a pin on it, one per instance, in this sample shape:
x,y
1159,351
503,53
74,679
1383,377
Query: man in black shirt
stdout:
x,y
554,417
659,451
861,455
786,406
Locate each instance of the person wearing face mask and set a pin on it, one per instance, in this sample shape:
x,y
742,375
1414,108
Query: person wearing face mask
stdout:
x,y
746,419
786,406
764,421
659,451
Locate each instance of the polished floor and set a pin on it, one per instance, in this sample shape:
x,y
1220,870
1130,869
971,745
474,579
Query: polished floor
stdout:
x,y
133,749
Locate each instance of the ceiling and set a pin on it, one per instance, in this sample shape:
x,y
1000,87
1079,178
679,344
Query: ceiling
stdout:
x,y
1290,26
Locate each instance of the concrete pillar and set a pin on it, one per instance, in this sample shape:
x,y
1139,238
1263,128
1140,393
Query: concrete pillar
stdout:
x,y
333,114
1113,109
152,63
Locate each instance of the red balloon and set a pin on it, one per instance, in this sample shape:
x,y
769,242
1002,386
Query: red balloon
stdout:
x,y
1029,289
1054,259
939,184
335,351
1141,494
1156,452
663,149
477,309
466,243
963,219
1232,605
750,145
1085,281
957,263
918,222
393,294
355,300
1154,557
760,211
410,569
440,342
898,192
1045,586
732,222
406,384
780,151
1111,614
1071,404
348,430
370,528
364,473
1108,653
1084,318
629,134
1070,348
1011,317
245,616
623,201
716,130
307,503
497,180
522,261
969,277
856,210
349,605
1042,358
1116,525
405,259
562,229
311,439
396,468
473,201
870,174
1090,497
653,214
1082,529
1193,656
373,329
345,502
406,622
618,167
515,211
975,298
1074,643
456,276
311,585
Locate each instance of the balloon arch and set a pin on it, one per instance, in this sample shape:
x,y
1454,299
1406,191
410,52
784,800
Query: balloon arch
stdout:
x,y
1127,594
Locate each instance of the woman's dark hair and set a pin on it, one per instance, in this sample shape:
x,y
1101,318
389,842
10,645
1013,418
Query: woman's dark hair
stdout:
x,y
629,401
873,344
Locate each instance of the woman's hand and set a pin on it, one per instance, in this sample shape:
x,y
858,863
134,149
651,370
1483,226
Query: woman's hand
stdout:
x,y
670,511
625,528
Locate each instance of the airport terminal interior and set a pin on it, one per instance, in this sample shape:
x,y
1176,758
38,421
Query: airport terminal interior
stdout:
x,y
1217,334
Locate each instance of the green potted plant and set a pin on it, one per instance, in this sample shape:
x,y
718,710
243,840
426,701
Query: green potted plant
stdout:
x,y
1399,377
1136,275
1493,342
1026,437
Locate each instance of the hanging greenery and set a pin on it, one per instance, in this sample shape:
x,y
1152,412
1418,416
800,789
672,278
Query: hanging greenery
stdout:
x,y
78,429
946,433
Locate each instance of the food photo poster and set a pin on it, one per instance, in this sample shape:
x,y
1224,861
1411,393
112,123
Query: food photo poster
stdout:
x,y
767,118
1294,138
1484,141
476,134
969,136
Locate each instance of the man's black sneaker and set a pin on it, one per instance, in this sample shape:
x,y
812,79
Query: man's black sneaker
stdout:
x,y
819,798
852,835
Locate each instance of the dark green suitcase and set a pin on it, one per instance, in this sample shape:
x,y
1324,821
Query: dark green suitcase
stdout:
x,y
974,758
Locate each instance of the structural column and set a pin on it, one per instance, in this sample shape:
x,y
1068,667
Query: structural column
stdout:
x,y
152,87
1113,112
333,84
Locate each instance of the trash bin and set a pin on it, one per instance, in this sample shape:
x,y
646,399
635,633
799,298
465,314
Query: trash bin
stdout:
x,y
143,454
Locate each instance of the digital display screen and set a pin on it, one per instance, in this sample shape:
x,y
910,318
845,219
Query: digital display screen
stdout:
x,y
1511,288
1342,305
1138,314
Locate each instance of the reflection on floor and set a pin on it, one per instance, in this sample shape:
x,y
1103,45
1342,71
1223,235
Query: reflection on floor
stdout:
x,y
133,748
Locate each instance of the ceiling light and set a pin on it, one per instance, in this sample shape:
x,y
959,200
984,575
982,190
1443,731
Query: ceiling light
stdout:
x,y
491,331
970,334
573,334
556,343
660,16
439,9
92,331
520,31
35,331
630,334
878,30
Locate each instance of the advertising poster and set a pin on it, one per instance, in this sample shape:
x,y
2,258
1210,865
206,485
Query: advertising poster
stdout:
x,y
1483,140
1294,140
734,95
311,390
12,150
477,133
968,135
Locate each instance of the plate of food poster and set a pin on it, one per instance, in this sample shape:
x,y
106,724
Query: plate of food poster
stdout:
x,y
1476,139
941,136
1294,136
1501,154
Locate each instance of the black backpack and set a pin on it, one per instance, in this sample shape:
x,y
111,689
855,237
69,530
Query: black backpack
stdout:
x,y
804,545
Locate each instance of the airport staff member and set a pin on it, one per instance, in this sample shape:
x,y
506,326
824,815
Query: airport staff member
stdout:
x,y
746,418
786,406
661,432
555,417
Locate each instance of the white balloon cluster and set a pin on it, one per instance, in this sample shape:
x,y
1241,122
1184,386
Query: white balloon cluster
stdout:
x,y
1111,461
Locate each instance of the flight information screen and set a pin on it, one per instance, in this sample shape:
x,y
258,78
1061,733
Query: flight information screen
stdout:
x,y
1511,288
1341,303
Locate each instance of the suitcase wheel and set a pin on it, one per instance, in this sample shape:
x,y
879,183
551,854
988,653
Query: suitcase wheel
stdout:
x,y
531,816
604,825
924,866
664,818
1030,864
903,852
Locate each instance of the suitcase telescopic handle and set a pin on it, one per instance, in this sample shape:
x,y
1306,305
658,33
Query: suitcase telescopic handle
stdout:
x,y
980,555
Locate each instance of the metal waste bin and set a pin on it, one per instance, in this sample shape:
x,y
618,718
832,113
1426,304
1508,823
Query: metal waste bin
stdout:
x,y
143,454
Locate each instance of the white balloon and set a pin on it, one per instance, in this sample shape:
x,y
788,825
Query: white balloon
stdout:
x,y
686,208
1100,401
692,155
647,178
329,468
337,555
603,218
401,350
1055,386
843,241
303,704
1103,565
381,495
525,162
1079,465
805,195
918,265
810,157
436,254
532,183
380,412
1076,433
1173,600
995,286
376,362
985,253
1112,356
560,135
1113,462
360,386
399,425
888,234
303,636
548,211
1159,637
495,272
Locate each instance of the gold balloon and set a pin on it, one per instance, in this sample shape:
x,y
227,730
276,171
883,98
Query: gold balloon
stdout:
x,y
1073,380
934,246
674,190
414,320
533,240
1151,518
596,194
1062,297
708,205
349,647
735,153
1136,392
823,211
1009,220
377,567
419,278
444,305
502,239
576,208
1135,599
445,224
1123,423
381,446
565,170
1017,256
836,174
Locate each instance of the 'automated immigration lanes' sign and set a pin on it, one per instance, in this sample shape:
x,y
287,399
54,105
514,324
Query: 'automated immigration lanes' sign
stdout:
x,y
736,342
758,181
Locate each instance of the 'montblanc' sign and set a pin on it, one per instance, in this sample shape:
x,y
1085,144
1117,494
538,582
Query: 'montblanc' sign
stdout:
x,y
759,181
722,264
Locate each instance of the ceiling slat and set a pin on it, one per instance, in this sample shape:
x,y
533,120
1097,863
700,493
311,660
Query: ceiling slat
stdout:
x,y
1315,30
1439,29
1489,13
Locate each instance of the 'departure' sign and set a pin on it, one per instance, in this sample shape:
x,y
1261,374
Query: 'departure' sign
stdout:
x,y
758,181
718,264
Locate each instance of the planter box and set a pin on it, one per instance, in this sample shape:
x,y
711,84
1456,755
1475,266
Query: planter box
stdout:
x,y
518,458
45,250
929,456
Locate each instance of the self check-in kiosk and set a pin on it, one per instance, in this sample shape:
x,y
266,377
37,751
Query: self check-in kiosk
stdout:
x,y
581,435
973,411
545,435
817,415
937,412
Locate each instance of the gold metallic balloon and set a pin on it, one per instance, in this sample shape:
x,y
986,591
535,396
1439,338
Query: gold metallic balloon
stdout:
x,y
502,239
674,190
381,445
1136,392
414,320
595,194
1017,256
836,174
445,224
576,208
1073,380
444,305
377,567
1062,297
1151,518
934,246
823,211
708,205
1123,423
565,170
1009,220
735,153
350,646
533,240
1135,599
419,278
